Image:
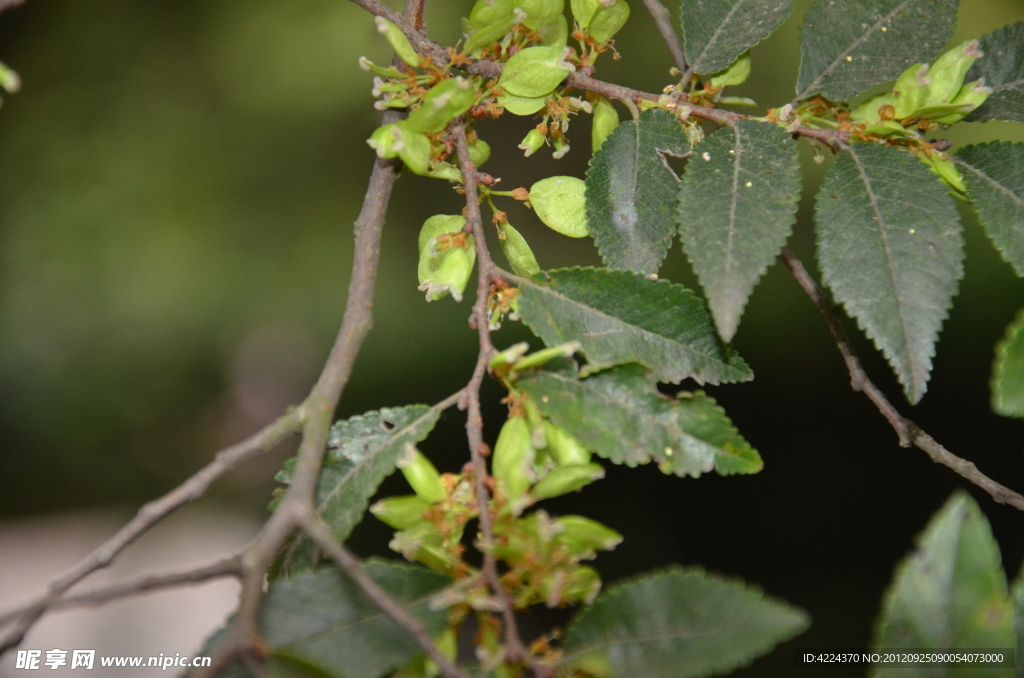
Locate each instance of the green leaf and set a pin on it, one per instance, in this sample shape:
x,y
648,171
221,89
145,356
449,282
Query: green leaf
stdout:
x,y
680,623
619,414
323,623
848,46
949,593
737,205
718,31
994,176
891,249
630,191
1008,371
1003,70
534,72
621,316
363,450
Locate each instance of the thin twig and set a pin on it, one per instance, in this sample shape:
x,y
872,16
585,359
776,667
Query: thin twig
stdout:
x,y
227,567
909,433
245,641
319,533
663,20
486,273
149,515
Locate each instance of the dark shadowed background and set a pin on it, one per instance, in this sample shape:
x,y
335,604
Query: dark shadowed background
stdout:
x,y
178,182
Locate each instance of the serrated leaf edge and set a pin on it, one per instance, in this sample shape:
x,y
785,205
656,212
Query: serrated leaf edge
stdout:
x,y
1013,196
676,571
737,364
728,17
1013,331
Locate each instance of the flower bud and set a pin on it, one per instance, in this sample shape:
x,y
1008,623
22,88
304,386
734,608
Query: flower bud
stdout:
x,y
401,512
413,148
554,33
371,67
582,585
947,171
872,110
533,142
513,457
517,251
948,71
585,534
509,355
736,74
560,204
583,11
445,100
970,96
396,38
542,356
444,267
486,12
479,152
491,33
606,21
540,12
910,91
606,119
563,447
561,146
383,140
566,479
535,71
421,475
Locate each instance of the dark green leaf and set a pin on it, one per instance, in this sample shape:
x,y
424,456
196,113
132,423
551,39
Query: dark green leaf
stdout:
x,y
848,46
737,205
620,317
363,450
994,176
1003,70
680,623
619,414
1008,371
630,191
891,249
321,624
718,31
949,593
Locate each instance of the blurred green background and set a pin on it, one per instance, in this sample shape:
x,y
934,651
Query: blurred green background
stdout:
x,y
177,186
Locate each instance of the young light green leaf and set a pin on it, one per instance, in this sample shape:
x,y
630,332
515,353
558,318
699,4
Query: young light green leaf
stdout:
x,y
517,251
950,593
994,176
1003,70
1008,371
737,205
363,450
891,249
718,31
679,623
630,191
619,414
848,46
621,316
323,621
534,71
559,203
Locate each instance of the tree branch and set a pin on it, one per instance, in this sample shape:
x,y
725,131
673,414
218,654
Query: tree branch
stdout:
x,y
909,433
227,567
149,515
663,20
490,69
486,274
318,532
